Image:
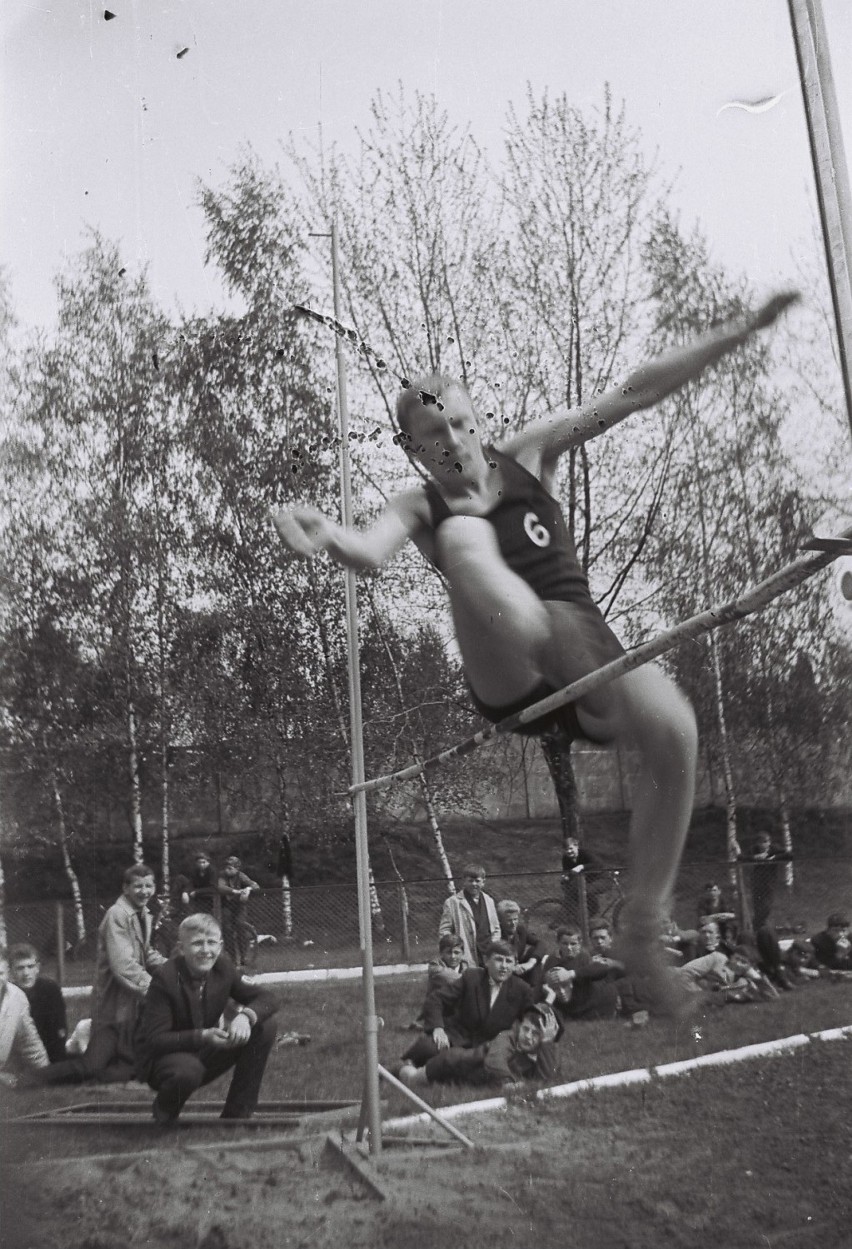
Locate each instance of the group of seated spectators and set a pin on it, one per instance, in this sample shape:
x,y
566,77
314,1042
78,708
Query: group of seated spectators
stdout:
x,y
495,992
497,999
175,1023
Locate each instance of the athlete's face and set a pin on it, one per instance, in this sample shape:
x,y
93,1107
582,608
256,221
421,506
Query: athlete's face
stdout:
x,y
445,437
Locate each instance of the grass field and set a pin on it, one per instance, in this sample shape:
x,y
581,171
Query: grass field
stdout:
x,y
750,1155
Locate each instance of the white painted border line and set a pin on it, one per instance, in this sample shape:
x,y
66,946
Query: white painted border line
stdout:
x,y
639,1075
294,977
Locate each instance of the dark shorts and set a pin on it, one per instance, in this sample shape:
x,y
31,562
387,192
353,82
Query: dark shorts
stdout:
x,y
593,645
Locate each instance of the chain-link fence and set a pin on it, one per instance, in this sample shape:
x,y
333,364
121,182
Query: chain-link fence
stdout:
x,y
317,926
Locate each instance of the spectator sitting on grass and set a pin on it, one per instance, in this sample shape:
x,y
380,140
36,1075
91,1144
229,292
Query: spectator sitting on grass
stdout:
x,y
21,1050
601,943
832,946
801,961
710,939
712,906
473,1009
679,944
523,1052
443,970
182,1044
727,977
773,961
527,946
471,915
589,993
47,1005
634,1000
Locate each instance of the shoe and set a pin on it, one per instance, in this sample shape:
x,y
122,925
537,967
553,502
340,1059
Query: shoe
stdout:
x,y
162,1116
409,1075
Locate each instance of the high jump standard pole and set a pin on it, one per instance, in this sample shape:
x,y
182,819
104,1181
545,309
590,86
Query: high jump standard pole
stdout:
x,y
356,737
830,169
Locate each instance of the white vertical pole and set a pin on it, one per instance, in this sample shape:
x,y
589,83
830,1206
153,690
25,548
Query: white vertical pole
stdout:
x,y
371,1022
830,169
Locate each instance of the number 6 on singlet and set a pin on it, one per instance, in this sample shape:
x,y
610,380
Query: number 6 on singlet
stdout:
x,y
535,530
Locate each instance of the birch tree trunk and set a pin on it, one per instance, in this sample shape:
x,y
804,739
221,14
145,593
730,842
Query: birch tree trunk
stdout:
x,y
4,939
135,786
76,895
287,905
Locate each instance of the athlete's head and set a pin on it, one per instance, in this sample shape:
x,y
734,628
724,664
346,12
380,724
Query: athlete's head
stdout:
x,y
437,425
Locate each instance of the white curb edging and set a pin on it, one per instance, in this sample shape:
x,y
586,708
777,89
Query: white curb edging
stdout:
x,y
294,977
639,1075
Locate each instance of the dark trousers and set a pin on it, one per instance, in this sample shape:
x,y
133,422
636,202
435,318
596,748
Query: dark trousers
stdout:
x,y
108,1058
421,1050
458,1066
237,936
175,1077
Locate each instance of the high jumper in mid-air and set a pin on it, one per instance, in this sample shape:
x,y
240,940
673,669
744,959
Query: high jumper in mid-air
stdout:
x,y
524,618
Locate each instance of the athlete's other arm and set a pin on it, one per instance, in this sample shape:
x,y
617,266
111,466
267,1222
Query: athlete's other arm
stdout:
x,y
539,445
307,531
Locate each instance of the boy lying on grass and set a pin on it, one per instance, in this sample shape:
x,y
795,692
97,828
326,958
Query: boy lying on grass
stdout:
x,y
524,1052
726,977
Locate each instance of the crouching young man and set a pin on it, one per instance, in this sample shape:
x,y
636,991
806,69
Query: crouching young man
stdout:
x,y
182,1044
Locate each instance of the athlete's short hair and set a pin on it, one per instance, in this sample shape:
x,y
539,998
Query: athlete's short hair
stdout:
x,y
426,389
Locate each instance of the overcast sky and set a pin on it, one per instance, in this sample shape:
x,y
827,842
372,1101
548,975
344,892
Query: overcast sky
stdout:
x,y
103,123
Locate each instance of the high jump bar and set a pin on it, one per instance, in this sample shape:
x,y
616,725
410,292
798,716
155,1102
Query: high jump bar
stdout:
x,y
753,600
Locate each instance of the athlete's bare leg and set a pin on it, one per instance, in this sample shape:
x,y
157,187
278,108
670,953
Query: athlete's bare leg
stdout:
x,y
652,717
501,625
510,640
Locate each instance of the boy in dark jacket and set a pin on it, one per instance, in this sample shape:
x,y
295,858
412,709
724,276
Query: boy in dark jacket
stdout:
x,y
181,1044
47,1005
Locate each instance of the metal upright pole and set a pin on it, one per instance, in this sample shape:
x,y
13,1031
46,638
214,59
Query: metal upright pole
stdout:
x,y
371,1022
830,169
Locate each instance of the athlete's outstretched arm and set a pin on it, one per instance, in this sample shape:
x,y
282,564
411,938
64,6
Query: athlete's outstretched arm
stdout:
x,y
548,438
307,531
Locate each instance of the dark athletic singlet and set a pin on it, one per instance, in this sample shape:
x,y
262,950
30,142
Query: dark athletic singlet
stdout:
x,y
535,543
531,532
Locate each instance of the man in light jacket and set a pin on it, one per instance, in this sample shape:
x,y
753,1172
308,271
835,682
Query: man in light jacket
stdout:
x,y
123,965
471,915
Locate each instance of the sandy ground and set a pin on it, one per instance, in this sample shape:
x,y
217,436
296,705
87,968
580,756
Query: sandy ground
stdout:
x,y
730,1157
